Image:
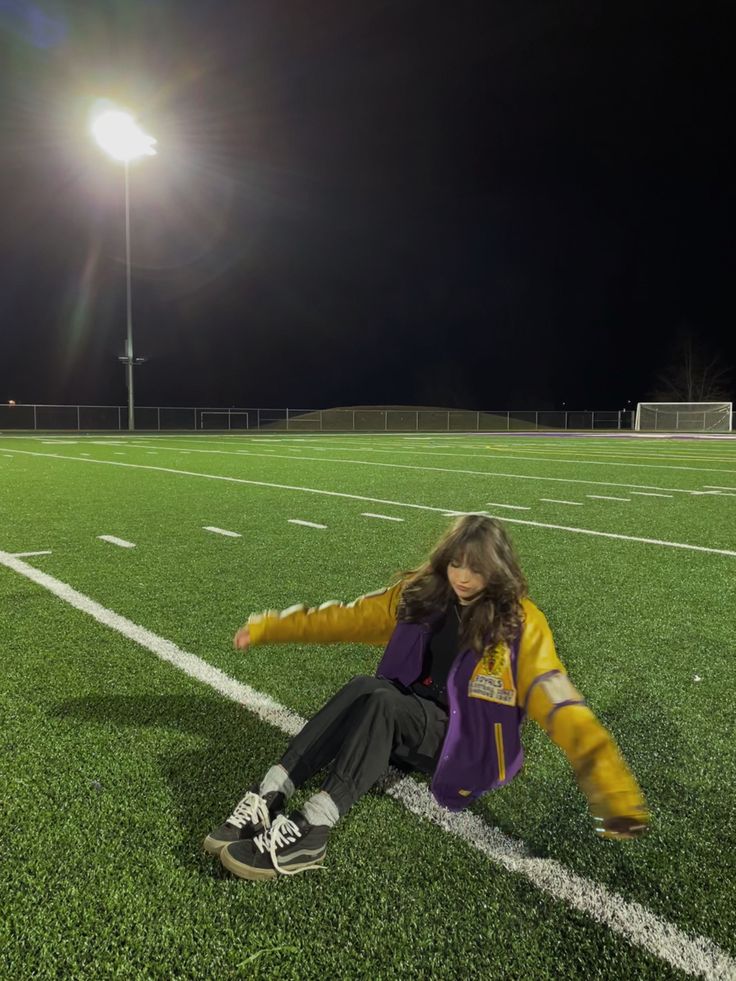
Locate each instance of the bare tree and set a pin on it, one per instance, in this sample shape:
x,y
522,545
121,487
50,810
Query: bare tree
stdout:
x,y
693,374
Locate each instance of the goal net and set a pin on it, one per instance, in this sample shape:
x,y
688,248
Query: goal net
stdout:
x,y
684,417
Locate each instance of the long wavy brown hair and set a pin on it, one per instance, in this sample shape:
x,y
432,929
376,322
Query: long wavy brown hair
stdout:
x,y
483,544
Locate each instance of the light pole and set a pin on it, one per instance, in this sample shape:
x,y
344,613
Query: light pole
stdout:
x,y
122,138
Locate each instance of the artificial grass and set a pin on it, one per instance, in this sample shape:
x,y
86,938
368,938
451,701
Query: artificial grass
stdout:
x,y
104,744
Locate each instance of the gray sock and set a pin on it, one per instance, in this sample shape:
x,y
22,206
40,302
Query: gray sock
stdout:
x,y
321,809
277,780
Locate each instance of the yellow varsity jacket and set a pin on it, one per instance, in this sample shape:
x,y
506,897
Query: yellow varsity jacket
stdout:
x,y
543,689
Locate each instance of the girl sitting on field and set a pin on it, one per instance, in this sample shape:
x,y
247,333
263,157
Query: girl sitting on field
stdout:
x,y
468,657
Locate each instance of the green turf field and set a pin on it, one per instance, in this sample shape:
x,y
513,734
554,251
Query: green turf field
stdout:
x,y
114,763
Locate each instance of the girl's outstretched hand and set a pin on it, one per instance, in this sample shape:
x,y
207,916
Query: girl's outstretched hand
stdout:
x,y
241,640
619,828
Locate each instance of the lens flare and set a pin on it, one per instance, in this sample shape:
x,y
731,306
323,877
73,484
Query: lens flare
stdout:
x,y
120,136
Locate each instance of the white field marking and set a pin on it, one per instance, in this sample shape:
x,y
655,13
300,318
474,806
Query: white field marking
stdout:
x,y
554,500
511,507
8,456
377,500
635,923
59,442
85,454
603,497
716,487
649,494
106,442
534,459
307,524
588,452
116,541
383,517
221,531
451,470
118,453
28,555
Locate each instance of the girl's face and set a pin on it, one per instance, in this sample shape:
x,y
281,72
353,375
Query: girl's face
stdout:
x,y
465,581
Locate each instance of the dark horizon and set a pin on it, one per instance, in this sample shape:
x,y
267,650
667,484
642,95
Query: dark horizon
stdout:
x,y
505,206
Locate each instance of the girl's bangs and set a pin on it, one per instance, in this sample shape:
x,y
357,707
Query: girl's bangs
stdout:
x,y
471,550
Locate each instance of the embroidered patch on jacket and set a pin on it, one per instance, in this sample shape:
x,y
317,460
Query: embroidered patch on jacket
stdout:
x,y
492,679
464,793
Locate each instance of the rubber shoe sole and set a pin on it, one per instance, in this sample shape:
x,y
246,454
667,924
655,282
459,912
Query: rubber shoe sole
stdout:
x,y
213,846
243,871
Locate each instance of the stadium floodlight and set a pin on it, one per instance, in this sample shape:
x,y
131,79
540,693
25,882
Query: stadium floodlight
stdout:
x,y
684,417
120,136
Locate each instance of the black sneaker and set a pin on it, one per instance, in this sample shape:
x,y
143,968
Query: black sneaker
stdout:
x,y
291,845
252,816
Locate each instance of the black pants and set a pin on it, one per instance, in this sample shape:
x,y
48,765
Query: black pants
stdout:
x,y
369,722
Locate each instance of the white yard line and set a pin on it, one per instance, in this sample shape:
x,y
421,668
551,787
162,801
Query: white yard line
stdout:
x,y
116,541
405,450
29,555
374,500
635,923
221,531
383,517
716,487
603,497
649,494
511,507
450,470
554,500
542,459
307,524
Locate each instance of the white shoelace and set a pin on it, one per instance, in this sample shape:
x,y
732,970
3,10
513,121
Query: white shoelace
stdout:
x,y
283,832
251,809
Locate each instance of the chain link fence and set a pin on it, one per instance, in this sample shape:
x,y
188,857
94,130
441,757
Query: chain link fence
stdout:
x,y
114,418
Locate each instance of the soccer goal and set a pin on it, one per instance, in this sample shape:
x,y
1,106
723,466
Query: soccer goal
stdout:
x,y
684,417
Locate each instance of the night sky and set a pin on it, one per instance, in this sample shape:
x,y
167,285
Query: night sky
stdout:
x,y
499,204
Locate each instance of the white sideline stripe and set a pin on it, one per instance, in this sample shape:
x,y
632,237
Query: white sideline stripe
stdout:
x,y
378,500
511,507
28,555
116,541
603,497
634,922
195,667
649,494
543,459
554,500
59,442
450,470
715,487
307,524
221,531
383,517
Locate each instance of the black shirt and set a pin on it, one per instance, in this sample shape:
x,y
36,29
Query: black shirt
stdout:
x,y
442,650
